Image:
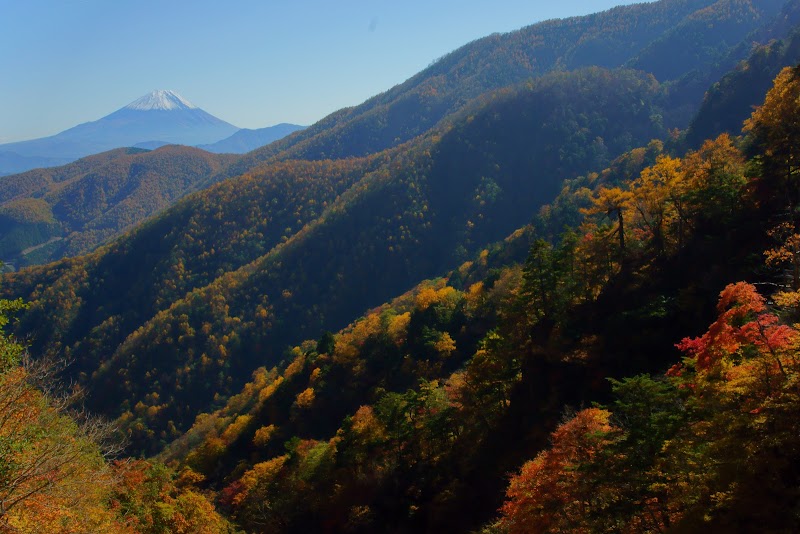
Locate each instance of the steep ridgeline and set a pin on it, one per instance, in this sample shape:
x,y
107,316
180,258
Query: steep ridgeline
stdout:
x,y
12,163
730,101
411,418
691,41
669,37
704,37
179,312
47,214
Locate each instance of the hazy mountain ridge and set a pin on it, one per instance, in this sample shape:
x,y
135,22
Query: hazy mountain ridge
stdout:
x,y
730,101
608,39
246,139
688,46
13,163
164,116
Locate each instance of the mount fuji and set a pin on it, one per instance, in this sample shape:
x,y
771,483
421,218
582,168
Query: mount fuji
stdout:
x,y
158,118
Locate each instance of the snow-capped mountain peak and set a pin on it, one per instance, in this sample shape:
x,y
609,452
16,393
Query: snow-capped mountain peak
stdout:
x,y
160,100
158,118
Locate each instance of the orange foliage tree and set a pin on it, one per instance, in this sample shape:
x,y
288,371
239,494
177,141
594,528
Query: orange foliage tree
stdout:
x,y
549,494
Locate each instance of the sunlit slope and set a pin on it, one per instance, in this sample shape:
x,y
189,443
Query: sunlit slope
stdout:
x,y
318,260
50,213
642,35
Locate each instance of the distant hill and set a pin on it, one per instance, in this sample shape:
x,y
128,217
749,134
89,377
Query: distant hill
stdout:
x,y
49,213
246,139
161,115
11,162
53,212
242,141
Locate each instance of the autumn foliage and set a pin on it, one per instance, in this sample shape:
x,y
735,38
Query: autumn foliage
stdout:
x,y
551,493
743,323
521,386
726,405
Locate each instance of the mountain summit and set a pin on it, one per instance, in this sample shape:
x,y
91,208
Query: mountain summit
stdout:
x,y
158,118
162,99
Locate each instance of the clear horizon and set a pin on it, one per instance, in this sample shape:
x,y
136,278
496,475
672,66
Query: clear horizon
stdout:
x,y
253,64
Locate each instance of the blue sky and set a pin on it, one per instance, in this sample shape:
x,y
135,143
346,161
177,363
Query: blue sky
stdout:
x,y
252,63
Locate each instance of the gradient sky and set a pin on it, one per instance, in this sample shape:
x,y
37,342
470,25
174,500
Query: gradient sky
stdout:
x,y
251,63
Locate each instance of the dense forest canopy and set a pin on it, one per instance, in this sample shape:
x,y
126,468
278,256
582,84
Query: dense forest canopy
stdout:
x,y
66,211
46,214
204,305
448,386
534,306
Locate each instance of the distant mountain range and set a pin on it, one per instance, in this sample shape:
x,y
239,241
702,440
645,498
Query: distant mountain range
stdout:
x,y
154,120
12,162
246,139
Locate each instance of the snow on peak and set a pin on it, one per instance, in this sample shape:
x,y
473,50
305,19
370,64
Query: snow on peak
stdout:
x,y
161,99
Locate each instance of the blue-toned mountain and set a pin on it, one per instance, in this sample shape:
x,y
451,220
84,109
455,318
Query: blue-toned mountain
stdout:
x,y
162,116
246,139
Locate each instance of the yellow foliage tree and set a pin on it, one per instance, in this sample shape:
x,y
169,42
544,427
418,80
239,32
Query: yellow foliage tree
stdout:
x,y
445,345
305,398
774,133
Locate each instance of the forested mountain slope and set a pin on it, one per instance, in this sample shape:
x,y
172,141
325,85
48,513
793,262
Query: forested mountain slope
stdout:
x,y
70,210
412,416
219,284
691,41
645,35
732,99
454,384
223,293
